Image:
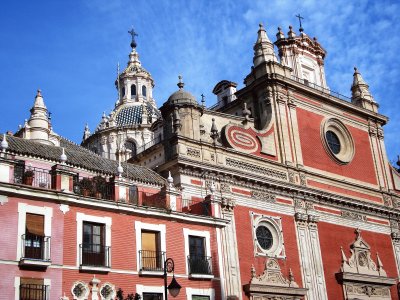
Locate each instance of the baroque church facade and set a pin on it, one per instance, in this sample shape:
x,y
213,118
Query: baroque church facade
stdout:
x,y
281,190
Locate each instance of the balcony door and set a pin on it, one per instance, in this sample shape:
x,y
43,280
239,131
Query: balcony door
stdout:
x,y
198,261
151,253
34,236
93,250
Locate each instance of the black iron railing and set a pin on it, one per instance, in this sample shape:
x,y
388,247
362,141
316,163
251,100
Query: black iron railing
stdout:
x,y
200,265
94,255
32,176
97,187
33,291
151,260
320,88
35,247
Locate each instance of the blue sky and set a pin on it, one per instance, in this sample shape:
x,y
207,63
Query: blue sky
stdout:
x,y
70,50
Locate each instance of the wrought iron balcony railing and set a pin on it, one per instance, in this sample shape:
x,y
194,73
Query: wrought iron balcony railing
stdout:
x,y
200,265
34,291
151,260
35,247
94,255
32,176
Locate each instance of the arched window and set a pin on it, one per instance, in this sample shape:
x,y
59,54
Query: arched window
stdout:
x,y
131,145
144,90
123,92
133,90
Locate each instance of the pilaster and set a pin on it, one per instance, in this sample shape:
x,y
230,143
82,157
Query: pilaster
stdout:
x,y
310,255
232,283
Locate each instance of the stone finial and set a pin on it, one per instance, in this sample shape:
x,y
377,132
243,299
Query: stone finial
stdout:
x,y
120,169
253,272
203,101
4,143
212,188
214,131
63,157
170,180
39,102
263,48
344,258
86,132
180,83
291,276
291,33
246,113
280,35
360,94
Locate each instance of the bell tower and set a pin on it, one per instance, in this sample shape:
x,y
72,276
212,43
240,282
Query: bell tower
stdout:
x,y
304,55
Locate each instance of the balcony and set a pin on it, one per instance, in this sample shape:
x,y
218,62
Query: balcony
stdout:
x,y
96,186
35,250
151,262
200,267
32,176
94,257
34,291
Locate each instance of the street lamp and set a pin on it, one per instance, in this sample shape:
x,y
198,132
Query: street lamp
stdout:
x,y
174,287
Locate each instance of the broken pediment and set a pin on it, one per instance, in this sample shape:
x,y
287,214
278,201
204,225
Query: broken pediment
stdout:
x,y
271,284
361,276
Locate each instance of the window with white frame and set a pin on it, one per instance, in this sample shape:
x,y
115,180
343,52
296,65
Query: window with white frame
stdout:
x,y
93,241
150,292
200,294
34,232
151,246
32,288
267,235
197,252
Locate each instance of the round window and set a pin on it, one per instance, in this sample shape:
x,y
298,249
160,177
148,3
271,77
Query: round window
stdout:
x,y
333,141
264,237
337,141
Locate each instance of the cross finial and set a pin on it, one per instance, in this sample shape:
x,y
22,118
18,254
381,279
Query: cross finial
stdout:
x,y
133,34
300,18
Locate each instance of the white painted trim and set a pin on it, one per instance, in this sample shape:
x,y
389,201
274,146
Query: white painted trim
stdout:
x,y
23,209
139,226
140,289
80,218
17,282
201,292
204,234
220,262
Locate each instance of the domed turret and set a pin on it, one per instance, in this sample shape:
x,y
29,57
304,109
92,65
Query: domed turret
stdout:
x,y
181,113
128,126
181,96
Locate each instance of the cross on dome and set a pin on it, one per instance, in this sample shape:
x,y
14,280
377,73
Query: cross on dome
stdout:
x,y
133,34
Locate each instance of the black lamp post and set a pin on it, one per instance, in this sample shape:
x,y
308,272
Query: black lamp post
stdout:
x,y
174,287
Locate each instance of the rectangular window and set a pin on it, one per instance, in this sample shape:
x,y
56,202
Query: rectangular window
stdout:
x,y
151,254
199,262
33,289
152,296
93,246
199,297
33,238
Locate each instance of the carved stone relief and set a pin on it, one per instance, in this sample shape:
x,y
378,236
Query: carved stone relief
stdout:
x,y
360,275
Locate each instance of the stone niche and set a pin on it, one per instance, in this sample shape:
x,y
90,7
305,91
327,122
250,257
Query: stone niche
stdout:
x,y
271,285
360,276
